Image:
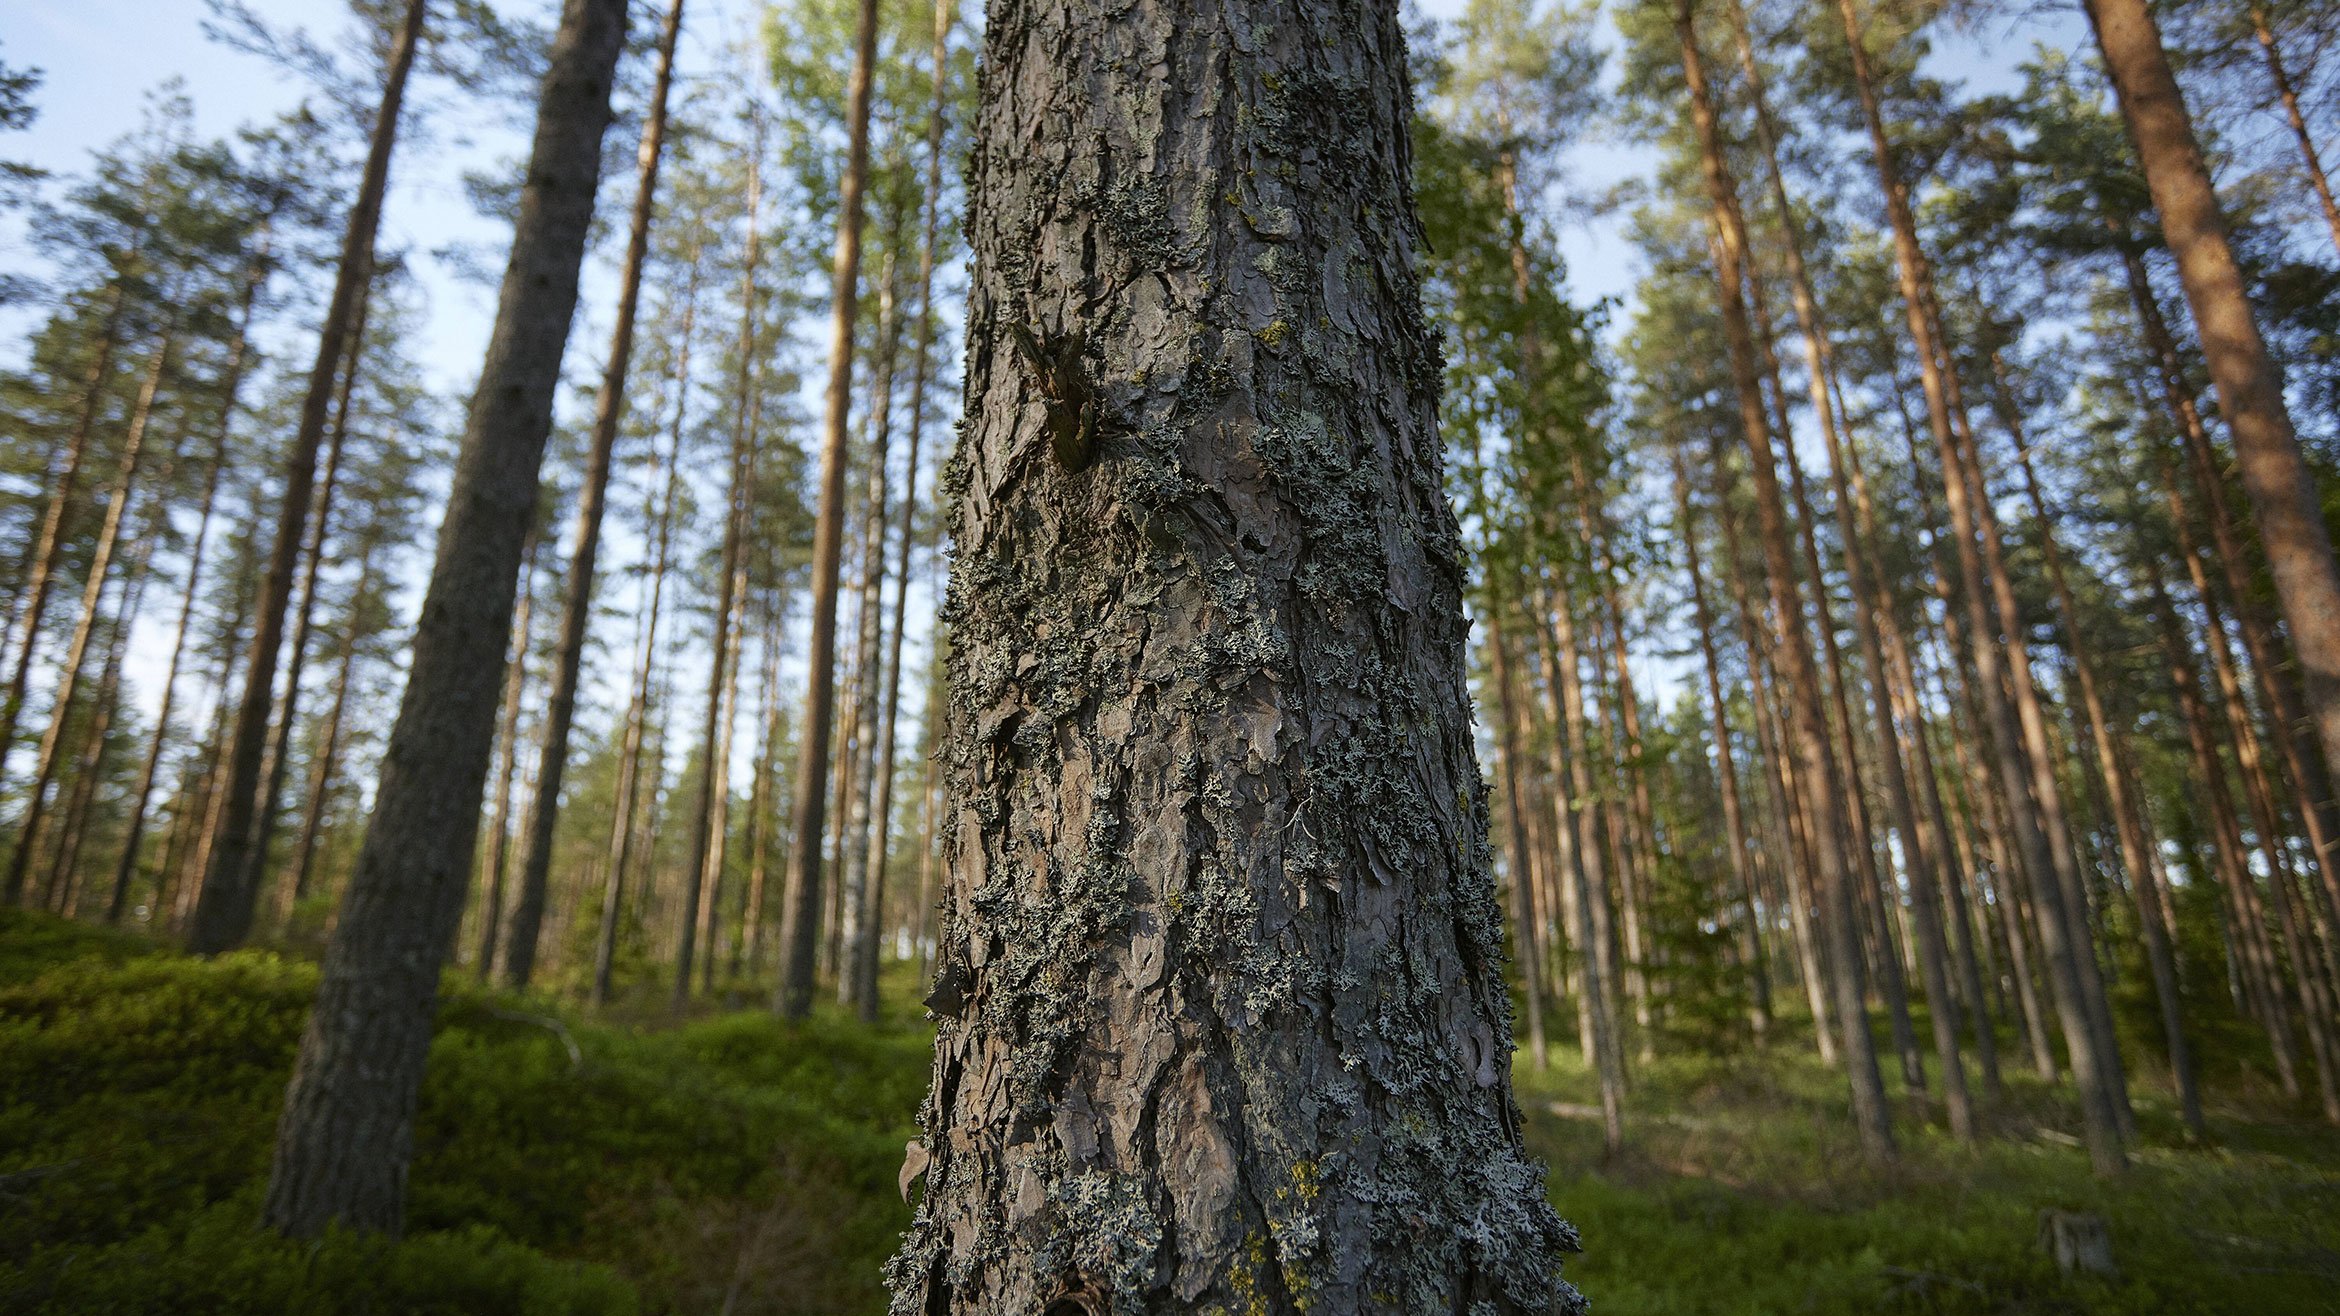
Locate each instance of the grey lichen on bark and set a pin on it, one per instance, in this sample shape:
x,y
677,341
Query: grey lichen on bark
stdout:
x,y
1221,1017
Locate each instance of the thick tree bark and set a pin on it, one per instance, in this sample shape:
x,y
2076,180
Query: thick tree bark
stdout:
x,y
225,904
801,912
2274,472
1223,1018
1808,724
347,1131
609,404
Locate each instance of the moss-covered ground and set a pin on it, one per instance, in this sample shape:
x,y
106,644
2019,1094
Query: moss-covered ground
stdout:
x,y
732,1163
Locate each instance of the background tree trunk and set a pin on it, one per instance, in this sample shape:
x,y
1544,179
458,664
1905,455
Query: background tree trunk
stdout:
x,y
347,1130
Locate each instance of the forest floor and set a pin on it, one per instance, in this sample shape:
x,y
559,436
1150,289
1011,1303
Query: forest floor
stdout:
x,y
732,1163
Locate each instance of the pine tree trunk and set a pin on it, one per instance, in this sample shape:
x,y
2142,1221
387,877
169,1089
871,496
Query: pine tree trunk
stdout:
x,y
2138,845
228,898
1216,836
921,360
560,708
862,845
2280,77
801,911
44,554
28,828
347,1131
1523,900
1807,720
629,770
231,389
496,861
2058,927
1718,713
2250,392
321,769
747,958
279,758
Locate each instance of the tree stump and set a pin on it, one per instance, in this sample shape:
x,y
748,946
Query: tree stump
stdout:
x,y
2079,1241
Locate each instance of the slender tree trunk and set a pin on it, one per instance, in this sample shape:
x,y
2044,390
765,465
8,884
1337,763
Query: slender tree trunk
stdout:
x,y
706,834
279,757
2248,946
709,915
28,828
1168,888
560,709
863,839
630,752
2250,392
347,1130
751,929
496,861
2099,1109
1523,901
2138,845
32,601
801,914
921,358
1809,726
225,904
2280,77
321,769
1734,822
231,389
1596,920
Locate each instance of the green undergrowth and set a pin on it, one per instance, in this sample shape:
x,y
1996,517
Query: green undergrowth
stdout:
x,y
730,1162
1742,1188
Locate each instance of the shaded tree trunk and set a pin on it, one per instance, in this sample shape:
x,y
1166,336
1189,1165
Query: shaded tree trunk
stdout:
x,y
347,1131
560,708
225,904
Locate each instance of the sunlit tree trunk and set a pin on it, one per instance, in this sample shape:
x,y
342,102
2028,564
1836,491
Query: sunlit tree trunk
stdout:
x,y
861,853
2060,931
2280,78
2274,472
